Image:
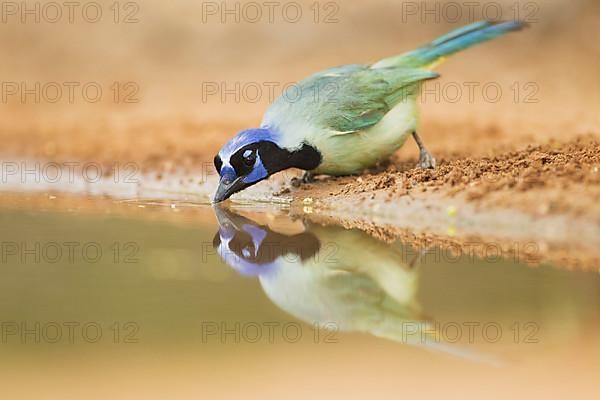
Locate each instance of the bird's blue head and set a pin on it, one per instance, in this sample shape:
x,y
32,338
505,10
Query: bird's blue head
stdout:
x,y
253,155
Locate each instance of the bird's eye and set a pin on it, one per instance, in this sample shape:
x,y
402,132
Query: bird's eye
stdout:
x,y
248,251
218,163
249,157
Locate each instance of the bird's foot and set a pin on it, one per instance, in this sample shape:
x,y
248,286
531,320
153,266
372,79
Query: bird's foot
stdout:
x,y
426,160
307,177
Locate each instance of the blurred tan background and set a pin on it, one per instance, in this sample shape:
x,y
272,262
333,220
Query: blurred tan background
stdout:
x,y
165,60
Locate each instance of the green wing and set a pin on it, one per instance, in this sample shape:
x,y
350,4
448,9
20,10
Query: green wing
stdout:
x,y
349,98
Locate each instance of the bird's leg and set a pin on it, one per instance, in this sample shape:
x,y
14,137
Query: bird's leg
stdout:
x,y
413,262
426,160
307,177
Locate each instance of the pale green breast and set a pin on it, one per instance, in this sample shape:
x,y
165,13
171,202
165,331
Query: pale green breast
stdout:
x,y
350,153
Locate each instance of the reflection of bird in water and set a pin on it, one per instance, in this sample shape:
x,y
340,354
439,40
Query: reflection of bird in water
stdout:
x,y
330,275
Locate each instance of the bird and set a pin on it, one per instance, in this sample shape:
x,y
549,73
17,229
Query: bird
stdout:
x,y
345,119
334,277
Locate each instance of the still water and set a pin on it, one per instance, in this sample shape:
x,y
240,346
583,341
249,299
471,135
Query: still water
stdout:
x,y
191,302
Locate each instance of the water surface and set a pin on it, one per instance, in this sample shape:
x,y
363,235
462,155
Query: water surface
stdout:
x,y
227,302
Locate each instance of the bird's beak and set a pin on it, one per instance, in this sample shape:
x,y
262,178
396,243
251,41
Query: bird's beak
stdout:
x,y
228,187
225,217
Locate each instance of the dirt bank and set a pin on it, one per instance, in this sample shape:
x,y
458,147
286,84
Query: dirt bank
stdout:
x,y
559,178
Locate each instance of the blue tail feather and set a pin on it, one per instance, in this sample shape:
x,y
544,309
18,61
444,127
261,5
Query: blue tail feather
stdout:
x,y
466,37
455,41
